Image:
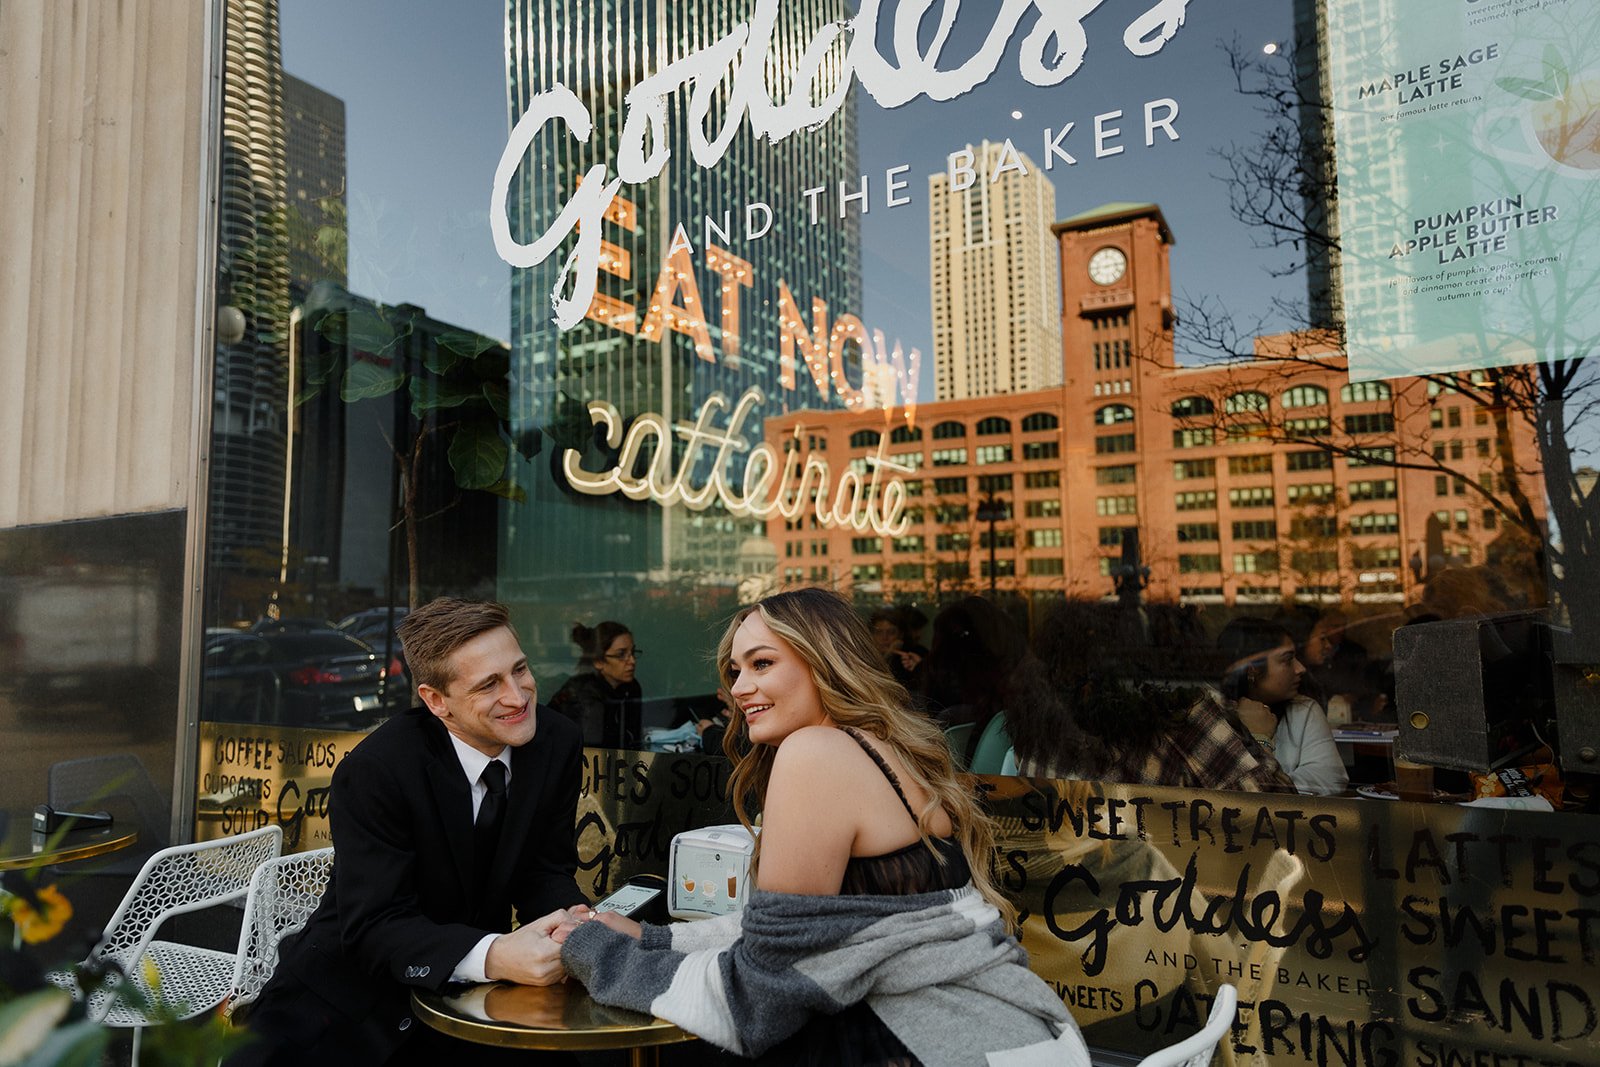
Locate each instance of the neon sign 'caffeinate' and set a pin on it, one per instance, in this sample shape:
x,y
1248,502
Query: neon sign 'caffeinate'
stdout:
x,y
770,485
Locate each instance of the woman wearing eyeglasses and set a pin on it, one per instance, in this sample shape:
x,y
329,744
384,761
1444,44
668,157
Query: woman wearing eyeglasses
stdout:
x,y
603,697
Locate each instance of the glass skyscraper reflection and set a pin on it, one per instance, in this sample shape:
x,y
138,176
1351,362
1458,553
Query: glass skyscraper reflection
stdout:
x,y
624,353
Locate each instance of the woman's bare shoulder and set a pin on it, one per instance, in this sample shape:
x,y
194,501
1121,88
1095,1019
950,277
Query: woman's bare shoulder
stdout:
x,y
818,751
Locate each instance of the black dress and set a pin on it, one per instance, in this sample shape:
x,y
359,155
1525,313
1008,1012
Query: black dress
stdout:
x,y
608,715
855,1036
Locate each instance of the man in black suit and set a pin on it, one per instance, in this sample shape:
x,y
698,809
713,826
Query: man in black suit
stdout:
x,y
444,819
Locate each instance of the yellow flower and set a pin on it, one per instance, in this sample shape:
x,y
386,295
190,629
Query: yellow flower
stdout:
x,y
151,973
42,923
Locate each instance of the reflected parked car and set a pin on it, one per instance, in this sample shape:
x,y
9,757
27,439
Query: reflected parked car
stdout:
x,y
320,678
379,627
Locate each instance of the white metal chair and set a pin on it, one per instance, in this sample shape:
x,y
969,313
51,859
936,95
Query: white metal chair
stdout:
x,y
164,980
283,894
1196,1051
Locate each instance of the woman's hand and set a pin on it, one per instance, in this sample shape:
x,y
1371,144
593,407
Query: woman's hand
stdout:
x,y
606,918
620,923
1257,717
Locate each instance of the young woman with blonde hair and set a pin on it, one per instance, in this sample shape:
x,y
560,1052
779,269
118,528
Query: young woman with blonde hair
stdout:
x,y
875,934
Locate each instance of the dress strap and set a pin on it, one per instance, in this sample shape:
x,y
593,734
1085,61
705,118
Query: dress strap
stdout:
x,y
883,765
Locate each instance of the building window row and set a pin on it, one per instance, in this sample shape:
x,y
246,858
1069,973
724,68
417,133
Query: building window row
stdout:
x,y
1116,505
1376,490
1254,496
1122,474
1255,562
1382,522
1300,396
1311,493
1112,355
1317,460
1115,443
1255,530
1370,422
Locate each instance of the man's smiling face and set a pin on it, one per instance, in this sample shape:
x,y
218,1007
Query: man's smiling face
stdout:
x,y
489,702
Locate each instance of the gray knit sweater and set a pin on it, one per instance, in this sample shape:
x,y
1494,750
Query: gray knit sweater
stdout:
x,y
938,968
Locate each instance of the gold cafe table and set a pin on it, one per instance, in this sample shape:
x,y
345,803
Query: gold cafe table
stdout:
x,y
21,847
556,1017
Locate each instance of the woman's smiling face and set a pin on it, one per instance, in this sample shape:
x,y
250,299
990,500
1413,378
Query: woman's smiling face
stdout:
x,y
772,684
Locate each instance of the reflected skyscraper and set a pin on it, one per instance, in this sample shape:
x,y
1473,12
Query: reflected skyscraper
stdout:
x,y
249,399
623,355
994,277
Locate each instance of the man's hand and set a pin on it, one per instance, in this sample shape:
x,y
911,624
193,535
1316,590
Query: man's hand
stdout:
x,y
527,955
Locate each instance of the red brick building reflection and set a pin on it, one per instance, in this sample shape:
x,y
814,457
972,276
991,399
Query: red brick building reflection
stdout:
x,y
1267,477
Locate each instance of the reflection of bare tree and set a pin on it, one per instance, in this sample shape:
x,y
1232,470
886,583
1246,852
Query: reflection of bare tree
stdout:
x,y
1281,188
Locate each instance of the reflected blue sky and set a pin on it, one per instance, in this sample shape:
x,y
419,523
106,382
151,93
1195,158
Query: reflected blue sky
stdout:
x,y
425,96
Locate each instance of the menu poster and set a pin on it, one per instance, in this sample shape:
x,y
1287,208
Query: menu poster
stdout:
x,y
1467,167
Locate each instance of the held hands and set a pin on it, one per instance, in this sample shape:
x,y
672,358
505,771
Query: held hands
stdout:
x,y
606,918
529,955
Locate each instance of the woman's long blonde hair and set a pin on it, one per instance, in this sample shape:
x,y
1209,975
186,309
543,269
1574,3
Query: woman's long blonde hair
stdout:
x,y
856,690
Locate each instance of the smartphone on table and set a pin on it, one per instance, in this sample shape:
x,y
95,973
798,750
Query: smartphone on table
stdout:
x,y
629,899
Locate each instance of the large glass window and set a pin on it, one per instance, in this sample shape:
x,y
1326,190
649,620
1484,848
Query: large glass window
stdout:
x,y
770,321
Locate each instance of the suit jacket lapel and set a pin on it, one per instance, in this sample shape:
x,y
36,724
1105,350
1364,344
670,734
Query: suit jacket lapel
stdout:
x,y
529,773
453,800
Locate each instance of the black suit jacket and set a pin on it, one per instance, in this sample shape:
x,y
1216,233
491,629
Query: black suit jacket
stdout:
x,y
402,908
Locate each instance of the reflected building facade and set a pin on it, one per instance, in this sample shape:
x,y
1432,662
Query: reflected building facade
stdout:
x,y
1258,481
993,277
247,534
671,325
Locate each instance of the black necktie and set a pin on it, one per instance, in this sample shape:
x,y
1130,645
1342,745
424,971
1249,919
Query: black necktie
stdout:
x,y
491,814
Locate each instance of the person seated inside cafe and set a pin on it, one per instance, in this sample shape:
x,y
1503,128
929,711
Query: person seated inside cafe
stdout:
x,y
1109,715
1264,674
875,933
604,698
447,820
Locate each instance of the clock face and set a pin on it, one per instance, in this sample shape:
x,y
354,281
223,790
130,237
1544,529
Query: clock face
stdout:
x,y
1107,265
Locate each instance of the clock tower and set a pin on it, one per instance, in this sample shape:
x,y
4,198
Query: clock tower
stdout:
x,y
1117,353
1116,306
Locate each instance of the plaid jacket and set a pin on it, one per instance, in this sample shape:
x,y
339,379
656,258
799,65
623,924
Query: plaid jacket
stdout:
x,y
1206,749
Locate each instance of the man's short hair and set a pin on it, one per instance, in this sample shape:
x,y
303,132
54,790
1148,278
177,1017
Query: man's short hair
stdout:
x,y
430,635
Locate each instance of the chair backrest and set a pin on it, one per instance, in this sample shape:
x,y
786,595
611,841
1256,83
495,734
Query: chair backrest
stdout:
x,y
283,894
1196,1051
181,879
991,751
95,781
956,737
1009,764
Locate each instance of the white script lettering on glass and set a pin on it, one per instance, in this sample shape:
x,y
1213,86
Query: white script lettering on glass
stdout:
x,y
787,486
1053,51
